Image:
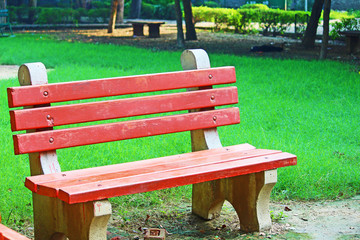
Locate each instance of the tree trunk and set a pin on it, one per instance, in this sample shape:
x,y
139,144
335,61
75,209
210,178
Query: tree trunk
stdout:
x,y
179,25
83,3
3,4
325,38
78,3
310,33
120,14
135,9
33,3
189,21
114,6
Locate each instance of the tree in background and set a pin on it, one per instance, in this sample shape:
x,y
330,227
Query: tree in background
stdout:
x,y
310,33
179,25
32,11
189,21
32,3
135,9
114,7
120,14
3,4
325,38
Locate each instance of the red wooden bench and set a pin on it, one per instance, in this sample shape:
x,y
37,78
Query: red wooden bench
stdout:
x,y
75,204
9,234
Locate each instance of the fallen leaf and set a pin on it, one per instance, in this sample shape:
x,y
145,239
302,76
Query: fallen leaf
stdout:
x,y
116,238
287,209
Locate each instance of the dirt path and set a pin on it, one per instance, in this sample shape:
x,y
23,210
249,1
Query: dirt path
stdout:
x,y
8,71
323,220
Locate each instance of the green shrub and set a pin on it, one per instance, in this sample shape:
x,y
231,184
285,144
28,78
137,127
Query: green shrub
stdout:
x,y
158,11
355,13
12,14
101,4
203,14
339,15
100,15
59,15
302,19
211,4
346,24
49,16
249,16
270,20
21,14
255,6
165,11
222,17
277,21
147,10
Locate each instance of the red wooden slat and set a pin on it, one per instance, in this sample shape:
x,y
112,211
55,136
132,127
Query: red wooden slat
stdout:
x,y
9,234
32,182
169,164
63,138
156,181
41,94
86,112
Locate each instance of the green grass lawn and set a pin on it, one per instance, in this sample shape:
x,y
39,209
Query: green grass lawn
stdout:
x,y
309,108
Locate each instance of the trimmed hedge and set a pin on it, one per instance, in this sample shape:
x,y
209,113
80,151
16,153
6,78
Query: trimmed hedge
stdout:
x,y
270,20
222,17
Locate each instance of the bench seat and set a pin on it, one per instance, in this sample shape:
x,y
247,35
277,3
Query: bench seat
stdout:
x,y
9,234
159,173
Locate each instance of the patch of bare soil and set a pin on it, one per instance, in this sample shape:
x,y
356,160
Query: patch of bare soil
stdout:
x,y
293,220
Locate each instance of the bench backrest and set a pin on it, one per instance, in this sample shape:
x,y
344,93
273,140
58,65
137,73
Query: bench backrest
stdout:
x,y
39,118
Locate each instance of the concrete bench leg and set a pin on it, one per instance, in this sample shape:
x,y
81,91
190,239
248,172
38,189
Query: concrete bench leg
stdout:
x,y
249,195
353,44
138,29
154,30
56,220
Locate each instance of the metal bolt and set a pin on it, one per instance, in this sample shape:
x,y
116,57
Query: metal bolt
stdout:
x,y
45,93
210,76
48,116
214,118
51,140
212,97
